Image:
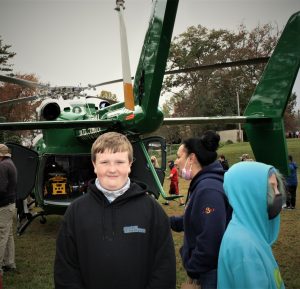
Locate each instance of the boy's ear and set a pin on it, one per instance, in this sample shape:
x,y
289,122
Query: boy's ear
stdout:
x,y
94,165
129,169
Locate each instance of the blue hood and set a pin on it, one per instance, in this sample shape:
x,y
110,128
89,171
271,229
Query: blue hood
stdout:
x,y
246,186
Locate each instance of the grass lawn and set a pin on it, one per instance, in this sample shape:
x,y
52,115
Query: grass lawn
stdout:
x,y
35,249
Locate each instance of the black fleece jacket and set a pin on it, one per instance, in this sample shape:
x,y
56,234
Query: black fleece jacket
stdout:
x,y
126,244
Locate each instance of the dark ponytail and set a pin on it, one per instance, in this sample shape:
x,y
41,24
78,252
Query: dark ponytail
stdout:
x,y
204,147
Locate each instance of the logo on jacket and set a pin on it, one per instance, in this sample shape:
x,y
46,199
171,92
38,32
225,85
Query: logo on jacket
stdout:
x,y
133,229
208,210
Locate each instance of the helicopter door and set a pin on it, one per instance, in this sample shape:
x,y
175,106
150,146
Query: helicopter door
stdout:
x,y
26,162
140,170
156,147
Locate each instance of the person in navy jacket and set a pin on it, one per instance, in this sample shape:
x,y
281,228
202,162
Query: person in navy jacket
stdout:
x,y
207,211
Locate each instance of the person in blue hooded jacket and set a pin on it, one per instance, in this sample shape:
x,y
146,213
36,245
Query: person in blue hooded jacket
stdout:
x,y
255,192
207,210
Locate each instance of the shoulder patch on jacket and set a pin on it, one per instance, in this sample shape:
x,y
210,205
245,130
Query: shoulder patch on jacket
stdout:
x,y
208,210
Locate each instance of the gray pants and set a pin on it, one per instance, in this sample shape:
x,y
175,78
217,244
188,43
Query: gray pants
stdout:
x,y
7,244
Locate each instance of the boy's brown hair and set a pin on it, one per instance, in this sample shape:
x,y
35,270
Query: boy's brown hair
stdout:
x,y
112,142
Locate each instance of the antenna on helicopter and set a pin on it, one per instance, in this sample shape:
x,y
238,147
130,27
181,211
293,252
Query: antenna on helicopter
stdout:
x,y
127,84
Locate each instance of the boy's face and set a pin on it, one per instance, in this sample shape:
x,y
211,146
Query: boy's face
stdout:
x,y
112,169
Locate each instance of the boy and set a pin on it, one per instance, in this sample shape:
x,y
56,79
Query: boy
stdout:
x,y
115,236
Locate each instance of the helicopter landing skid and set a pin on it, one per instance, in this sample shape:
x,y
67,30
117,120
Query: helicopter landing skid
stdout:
x,y
173,197
25,221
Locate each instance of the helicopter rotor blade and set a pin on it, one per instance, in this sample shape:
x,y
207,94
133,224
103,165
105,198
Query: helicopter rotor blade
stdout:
x,y
250,61
22,82
103,98
106,83
19,100
31,84
127,84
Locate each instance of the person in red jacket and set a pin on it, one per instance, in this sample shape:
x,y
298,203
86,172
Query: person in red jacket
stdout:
x,y
174,184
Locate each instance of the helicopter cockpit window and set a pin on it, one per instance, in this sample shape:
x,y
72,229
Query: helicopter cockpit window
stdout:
x,y
77,109
67,177
155,153
104,104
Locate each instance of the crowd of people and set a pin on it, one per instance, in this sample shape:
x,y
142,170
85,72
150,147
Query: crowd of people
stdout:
x,y
117,236
293,134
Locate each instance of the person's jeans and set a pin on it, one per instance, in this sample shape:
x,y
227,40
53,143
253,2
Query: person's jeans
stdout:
x,y
291,196
208,280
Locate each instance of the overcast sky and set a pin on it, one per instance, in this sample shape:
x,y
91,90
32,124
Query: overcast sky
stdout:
x,y
77,42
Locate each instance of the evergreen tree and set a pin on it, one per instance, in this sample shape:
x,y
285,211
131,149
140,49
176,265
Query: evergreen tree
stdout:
x,y
5,56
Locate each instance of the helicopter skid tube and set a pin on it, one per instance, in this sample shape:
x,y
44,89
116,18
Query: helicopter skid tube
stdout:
x,y
173,197
22,225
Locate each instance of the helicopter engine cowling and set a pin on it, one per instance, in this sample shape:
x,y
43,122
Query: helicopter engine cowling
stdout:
x,y
49,110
